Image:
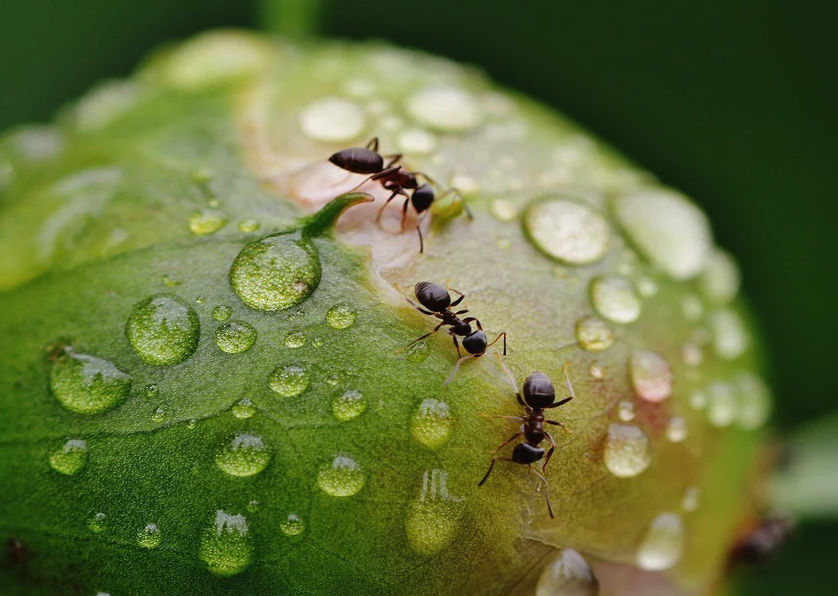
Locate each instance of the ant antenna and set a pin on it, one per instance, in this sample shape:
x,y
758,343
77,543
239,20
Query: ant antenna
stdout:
x,y
456,368
567,379
509,376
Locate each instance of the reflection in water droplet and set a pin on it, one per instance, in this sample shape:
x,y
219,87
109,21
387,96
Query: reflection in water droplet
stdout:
x,y
244,455
243,409
625,411
207,221
149,537
163,330
568,574
349,405
70,458
170,281
159,415
433,519
222,312
418,352
615,300
151,391
97,523
295,339
248,225
594,334
289,381
431,423
676,429
567,231
341,316
86,384
226,546
720,279
721,404
754,401
650,376
628,451
235,337
342,477
276,272
597,371
691,498
447,109
730,338
332,119
663,544
293,525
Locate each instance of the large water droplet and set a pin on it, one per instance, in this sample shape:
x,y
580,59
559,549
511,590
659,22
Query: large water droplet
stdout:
x,y
207,221
332,119
672,232
86,384
70,458
226,546
650,376
568,574
754,401
615,300
720,279
567,231
434,518
722,408
276,272
163,330
341,316
342,477
293,525
628,451
289,381
349,405
149,536
235,337
663,544
98,523
730,338
244,409
244,455
431,423
447,109
594,334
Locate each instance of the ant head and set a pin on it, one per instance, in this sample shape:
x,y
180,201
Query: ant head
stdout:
x,y
539,391
358,160
524,453
475,343
422,198
432,296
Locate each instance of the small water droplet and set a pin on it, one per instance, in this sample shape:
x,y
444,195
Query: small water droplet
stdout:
x,y
676,429
447,109
235,337
293,525
244,409
106,103
567,231
151,391
221,312
207,221
720,279
568,574
349,405
243,455
503,210
70,458
341,316
295,339
418,352
597,372
37,142
226,546
691,355
730,338
253,506
663,544
192,424
754,401
97,523
342,477
698,399
158,416
276,272
149,536
594,334
170,282
646,287
650,376
625,411
465,184
672,232
691,498
433,519
615,300
722,408
248,225
86,384
289,381
332,119
417,141
692,308
431,423
628,451
163,330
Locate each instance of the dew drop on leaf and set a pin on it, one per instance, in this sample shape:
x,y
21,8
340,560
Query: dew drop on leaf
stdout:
x,y
163,330
340,316
691,498
567,574
628,451
226,546
418,352
615,300
730,338
349,405
293,525
431,423
650,376
221,312
235,337
243,409
663,544
342,477
149,536
86,384
289,381
159,415
625,411
676,429
433,519
243,455
567,231
207,221
594,334
97,523
70,458
295,339
722,408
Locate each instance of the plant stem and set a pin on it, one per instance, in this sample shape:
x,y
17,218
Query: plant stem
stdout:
x,y
291,18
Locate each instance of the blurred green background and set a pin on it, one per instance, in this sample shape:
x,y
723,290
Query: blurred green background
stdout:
x,y
733,102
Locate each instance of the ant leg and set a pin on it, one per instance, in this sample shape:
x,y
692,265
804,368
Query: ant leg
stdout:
x,y
384,206
461,312
549,453
554,423
385,173
412,303
458,300
456,368
456,345
418,339
373,144
491,466
418,229
494,341
393,160
428,178
507,442
404,214
569,389
518,418
546,491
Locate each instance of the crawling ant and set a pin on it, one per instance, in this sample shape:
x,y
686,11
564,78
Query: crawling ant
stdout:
x,y
395,178
762,542
539,395
437,303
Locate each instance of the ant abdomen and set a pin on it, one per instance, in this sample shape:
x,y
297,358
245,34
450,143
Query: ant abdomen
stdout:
x,y
524,453
432,296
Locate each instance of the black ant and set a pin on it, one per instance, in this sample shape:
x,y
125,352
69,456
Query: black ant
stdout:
x,y
437,303
539,395
395,178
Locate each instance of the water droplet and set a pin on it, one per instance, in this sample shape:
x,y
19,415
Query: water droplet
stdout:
x,y
650,376
625,411
248,225
163,330
243,455
597,372
149,537
86,384
289,381
170,282
221,312
332,120
594,334
646,287
692,308
730,338
720,279
503,210
295,339
465,184
37,143
192,424
342,477
226,546
244,409
341,316
253,506
349,405
106,103
70,458
158,416
676,429
691,355
293,525
418,352
567,231
431,423
754,401
276,272
416,141
235,337
215,58
615,300
97,523
207,221
721,404
504,243
698,399
628,451
433,519
663,544
568,574
446,109
691,498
